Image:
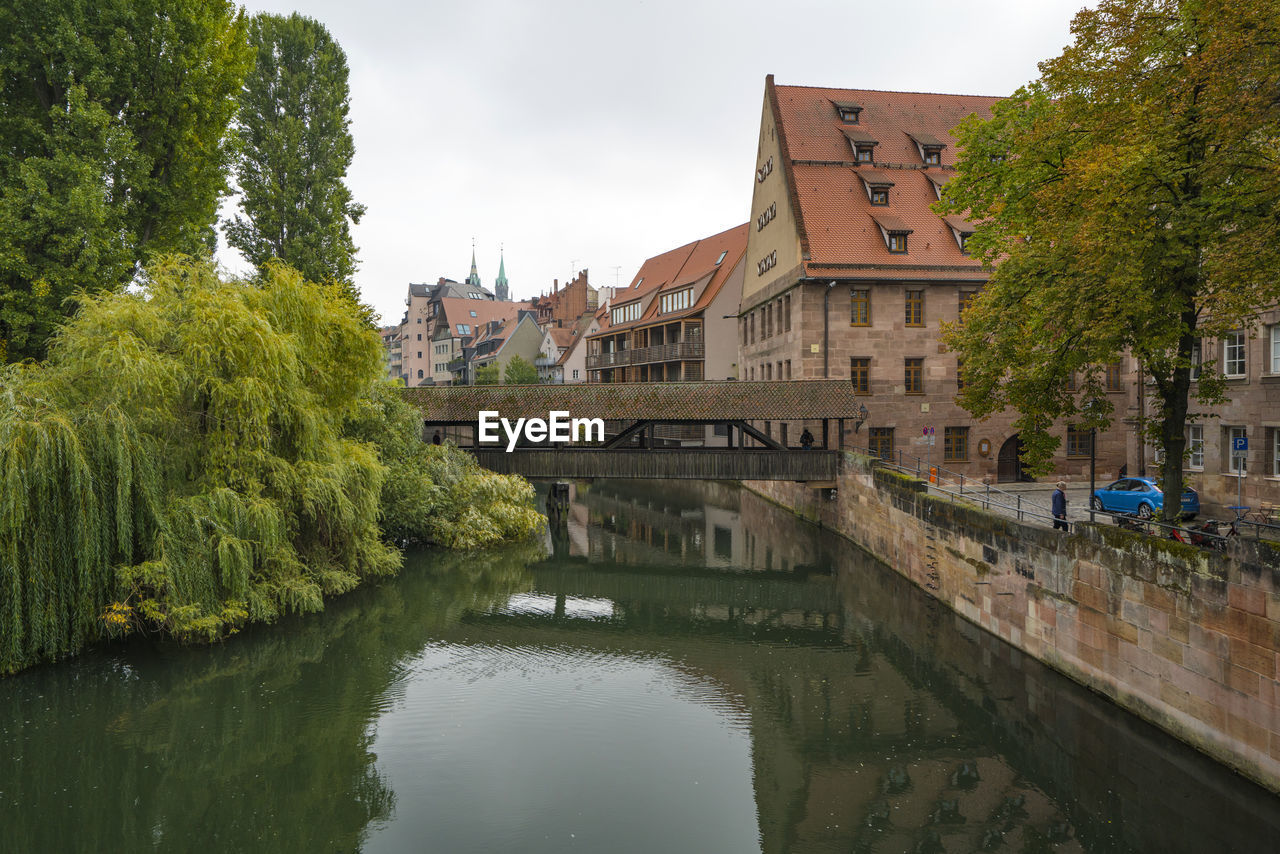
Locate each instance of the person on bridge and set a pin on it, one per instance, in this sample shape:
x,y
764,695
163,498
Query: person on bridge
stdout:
x,y
1059,508
806,439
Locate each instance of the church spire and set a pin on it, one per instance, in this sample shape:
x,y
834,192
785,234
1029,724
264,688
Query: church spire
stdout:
x,y
474,278
500,288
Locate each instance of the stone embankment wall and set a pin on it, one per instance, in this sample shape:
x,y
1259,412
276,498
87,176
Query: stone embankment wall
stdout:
x,y
1185,638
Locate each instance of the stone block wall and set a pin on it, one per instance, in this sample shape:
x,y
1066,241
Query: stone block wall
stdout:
x,y
1184,638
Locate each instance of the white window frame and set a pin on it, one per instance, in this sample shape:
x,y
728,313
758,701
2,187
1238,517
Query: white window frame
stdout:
x,y
1275,451
1240,467
1234,342
1275,348
1197,358
1195,444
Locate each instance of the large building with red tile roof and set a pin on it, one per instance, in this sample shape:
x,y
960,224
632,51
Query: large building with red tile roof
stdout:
x,y
850,273
670,325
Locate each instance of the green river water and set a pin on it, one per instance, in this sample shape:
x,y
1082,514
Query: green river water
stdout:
x,y
681,667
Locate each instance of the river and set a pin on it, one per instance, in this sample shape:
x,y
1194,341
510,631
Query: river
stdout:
x,y
681,667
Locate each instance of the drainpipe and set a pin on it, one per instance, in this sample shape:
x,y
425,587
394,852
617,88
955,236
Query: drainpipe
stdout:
x,y
826,330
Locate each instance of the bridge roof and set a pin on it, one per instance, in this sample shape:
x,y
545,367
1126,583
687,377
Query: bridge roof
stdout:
x,y
696,401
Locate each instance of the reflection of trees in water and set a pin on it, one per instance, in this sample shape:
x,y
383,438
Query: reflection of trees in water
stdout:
x,y
260,744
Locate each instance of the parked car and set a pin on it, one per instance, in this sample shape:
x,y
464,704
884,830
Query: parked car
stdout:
x,y
1141,496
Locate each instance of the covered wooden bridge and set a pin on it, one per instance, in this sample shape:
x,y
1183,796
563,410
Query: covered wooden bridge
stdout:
x,y
698,430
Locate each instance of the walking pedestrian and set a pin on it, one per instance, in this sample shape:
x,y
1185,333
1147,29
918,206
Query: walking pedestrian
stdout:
x,y
1060,507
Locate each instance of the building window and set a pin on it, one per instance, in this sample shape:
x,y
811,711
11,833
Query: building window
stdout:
x,y
419,374
744,330
915,308
779,369
863,153
752,320
625,313
678,301
473,314
786,313
788,364
753,372
720,260
879,196
880,442
768,371
933,157
766,330
848,112
1233,354
1197,357
1195,444
860,307
1275,451
1235,465
575,373
1113,377
419,354
860,372
959,374
966,300
898,243
913,376
1077,441
955,444
1275,349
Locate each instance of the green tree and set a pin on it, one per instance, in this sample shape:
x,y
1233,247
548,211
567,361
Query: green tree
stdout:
x,y
520,371
295,148
1128,196
487,375
113,124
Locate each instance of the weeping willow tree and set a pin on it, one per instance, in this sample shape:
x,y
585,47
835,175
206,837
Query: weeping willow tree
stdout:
x,y
184,462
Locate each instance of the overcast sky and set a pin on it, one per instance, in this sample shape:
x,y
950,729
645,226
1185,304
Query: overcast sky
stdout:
x,y
597,133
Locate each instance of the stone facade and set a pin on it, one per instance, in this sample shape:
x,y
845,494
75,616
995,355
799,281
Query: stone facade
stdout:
x,y
1187,639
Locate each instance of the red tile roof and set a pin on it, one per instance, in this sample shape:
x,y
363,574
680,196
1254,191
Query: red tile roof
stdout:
x,y
679,267
455,310
836,219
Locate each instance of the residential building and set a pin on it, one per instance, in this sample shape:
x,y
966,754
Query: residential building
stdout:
x,y
497,343
556,341
564,307
391,350
849,273
676,322
455,324
1249,360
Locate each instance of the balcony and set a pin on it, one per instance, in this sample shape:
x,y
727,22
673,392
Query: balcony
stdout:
x,y
455,365
543,362
609,360
676,352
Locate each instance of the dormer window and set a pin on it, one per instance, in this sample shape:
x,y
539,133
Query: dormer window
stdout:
x,y
863,144
848,111
961,230
929,146
877,184
894,231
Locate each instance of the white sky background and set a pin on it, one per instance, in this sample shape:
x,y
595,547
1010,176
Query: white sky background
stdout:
x,y
598,133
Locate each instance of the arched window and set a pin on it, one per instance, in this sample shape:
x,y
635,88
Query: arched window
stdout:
x,y
419,374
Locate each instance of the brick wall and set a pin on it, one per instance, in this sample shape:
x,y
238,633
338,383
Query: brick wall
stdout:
x,y
1184,638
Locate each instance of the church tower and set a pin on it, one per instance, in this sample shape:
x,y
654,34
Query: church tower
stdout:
x,y
500,288
474,278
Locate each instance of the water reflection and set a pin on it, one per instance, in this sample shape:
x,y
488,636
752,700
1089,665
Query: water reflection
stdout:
x,y
690,669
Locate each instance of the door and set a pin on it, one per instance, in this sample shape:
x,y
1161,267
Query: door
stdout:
x,y
1009,463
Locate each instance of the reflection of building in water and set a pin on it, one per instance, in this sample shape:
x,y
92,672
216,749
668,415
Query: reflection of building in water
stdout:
x,y
878,720
697,524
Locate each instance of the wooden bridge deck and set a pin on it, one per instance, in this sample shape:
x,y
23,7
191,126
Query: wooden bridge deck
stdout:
x,y
673,463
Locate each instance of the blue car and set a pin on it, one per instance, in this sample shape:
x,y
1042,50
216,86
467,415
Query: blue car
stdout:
x,y
1142,497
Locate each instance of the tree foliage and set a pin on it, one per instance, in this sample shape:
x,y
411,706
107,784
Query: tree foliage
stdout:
x,y
1128,196
520,371
295,148
186,461
487,374
113,123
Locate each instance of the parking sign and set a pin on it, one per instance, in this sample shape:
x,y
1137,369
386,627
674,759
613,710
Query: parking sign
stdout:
x,y
1239,443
